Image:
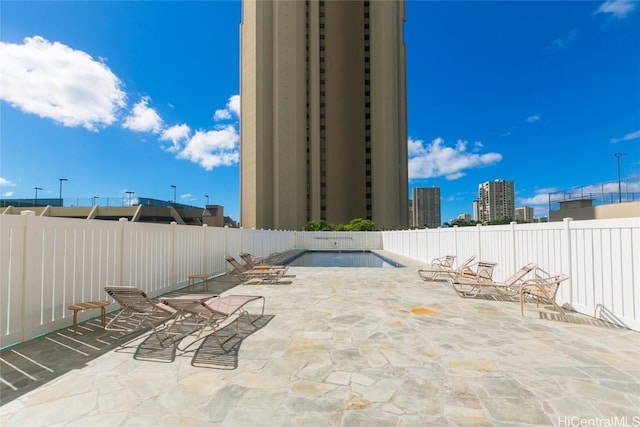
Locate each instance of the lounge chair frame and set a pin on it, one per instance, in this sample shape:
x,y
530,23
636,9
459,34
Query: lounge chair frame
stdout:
x,y
469,286
139,312
438,269
255,263
543,289
265,275
198,315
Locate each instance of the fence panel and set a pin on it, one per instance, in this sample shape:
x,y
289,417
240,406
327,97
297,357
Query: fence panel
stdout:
x,y
12,258
604,269
189,251
338,240
68,261
216,249
148,257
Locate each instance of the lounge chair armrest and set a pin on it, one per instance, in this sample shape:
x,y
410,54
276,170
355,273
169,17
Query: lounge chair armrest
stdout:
x,y
539,273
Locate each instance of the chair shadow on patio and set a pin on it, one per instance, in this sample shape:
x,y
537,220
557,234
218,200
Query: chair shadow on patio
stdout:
x,y
209,354
571,316
578,319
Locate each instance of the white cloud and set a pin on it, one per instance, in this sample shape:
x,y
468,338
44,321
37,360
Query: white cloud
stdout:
x,y
176,134
627,137
563,42
533,118
221,115
540,198
143,118
187,197
232,108
437,159
234,104
5,182
54,81
539,201
213,148
8,194
618,8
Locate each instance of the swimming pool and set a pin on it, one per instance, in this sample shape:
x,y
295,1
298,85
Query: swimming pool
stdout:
x,y
341,259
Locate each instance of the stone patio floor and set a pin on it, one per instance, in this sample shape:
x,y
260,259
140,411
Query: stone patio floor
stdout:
x,y
366,347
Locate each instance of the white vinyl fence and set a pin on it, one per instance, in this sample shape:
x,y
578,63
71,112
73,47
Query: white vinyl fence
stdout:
x,y
602,258
46,263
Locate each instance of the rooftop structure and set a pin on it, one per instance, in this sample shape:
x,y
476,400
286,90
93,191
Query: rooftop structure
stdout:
x,y
613,199
145,210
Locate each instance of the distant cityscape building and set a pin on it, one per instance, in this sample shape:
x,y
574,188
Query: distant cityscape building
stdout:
x,y
464,217
524,214
476,210
426,207
496,201
323,113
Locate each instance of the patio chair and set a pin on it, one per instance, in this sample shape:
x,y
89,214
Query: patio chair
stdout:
x,y
266,275
470,286
138,312
438,269
198,315
543,289
481,270
255,263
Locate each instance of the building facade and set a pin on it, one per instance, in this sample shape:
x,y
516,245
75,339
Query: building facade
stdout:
x,y
524,214
323,113
426,207
496,201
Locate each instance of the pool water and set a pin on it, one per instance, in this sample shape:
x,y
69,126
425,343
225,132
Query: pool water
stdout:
x,y
341,259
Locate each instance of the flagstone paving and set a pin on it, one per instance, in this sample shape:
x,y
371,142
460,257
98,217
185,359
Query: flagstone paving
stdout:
x,y
366,347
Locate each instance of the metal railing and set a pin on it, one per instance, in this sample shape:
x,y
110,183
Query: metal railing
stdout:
x,y
606,193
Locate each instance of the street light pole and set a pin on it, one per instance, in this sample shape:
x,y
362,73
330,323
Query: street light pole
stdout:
x,y
35,202
207,196
618,155
61,181
174,194
93,202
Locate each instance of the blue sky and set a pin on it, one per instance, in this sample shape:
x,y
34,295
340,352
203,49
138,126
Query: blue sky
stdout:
x,y
139,96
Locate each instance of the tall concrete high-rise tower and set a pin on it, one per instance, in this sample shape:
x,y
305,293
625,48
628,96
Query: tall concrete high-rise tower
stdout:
x,y
426,207
496,201
323,113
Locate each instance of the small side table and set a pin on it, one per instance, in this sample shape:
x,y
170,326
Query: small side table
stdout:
x,y
194,277
81,306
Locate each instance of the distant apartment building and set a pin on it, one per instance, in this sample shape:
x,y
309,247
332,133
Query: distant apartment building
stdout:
x,y
476,210
464,217
426,207
323,113
496,201
524,214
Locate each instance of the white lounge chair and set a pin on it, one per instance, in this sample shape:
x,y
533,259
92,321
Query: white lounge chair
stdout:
x,y
470,286
439,268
